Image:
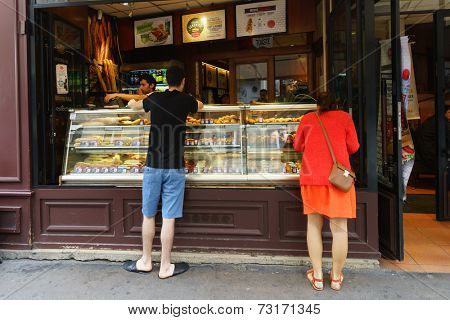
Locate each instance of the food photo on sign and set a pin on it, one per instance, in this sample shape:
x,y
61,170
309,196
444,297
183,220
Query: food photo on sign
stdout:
x,y
153,32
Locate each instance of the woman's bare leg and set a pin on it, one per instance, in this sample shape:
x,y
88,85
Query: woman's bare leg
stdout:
x,y
314,240
338,228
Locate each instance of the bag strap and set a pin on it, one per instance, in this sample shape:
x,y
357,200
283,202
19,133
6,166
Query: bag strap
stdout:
x,y
325,134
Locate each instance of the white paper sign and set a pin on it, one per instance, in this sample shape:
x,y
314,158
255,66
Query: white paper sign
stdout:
x,y
62,82
153,32
261,18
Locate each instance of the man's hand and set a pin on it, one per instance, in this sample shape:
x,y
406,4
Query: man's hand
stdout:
x,y
199,105
110,96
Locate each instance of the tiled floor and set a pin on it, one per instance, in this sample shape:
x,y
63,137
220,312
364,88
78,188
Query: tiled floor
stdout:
x,y
412,190
427,245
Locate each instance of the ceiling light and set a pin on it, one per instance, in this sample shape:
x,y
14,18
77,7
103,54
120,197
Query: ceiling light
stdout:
x,y
125,4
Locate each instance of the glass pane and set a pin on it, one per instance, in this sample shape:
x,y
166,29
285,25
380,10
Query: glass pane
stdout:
x,y
213,143
252,82
385,154
291,78
339,56
446,39
270,137
112,143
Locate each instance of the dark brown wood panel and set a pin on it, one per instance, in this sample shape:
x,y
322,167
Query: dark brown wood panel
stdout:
x,y
247,220
209,219
76,216
15,220
10,219
301,16
14,156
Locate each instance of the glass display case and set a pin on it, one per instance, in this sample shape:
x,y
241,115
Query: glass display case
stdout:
x,y
223,145
106,147
270,131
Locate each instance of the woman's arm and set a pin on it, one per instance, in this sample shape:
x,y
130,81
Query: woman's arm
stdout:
x,y
352,136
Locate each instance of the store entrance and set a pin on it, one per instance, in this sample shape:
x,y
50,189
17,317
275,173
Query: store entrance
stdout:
x,y
422,230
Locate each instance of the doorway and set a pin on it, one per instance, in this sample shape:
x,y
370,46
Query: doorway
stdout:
x,y
426,236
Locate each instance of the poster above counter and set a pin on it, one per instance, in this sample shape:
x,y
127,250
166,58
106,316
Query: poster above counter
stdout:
x,y
261,18
204,26
153,32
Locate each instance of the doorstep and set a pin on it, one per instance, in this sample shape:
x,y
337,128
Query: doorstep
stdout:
x,y
229,257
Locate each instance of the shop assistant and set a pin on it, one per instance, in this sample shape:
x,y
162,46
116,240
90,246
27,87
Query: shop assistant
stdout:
x,y
147,86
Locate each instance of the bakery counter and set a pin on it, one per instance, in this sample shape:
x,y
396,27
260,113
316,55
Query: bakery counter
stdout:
x,y
224,145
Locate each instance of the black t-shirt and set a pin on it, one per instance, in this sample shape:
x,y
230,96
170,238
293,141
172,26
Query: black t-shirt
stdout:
x,y
168,112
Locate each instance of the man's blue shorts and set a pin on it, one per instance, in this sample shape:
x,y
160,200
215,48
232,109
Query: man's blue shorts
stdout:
x,y
168,183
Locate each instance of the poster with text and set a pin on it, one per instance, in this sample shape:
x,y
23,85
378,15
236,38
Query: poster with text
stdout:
x,y
153,32
204,26
261,18
62,85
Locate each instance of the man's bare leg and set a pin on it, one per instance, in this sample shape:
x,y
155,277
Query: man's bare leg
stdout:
x,y
167,235
148,233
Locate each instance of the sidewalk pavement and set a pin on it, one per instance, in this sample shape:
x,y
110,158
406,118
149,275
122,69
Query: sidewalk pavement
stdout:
x,y
68,279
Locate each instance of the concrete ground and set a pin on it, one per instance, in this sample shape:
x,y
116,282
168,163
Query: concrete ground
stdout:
x,y
69,279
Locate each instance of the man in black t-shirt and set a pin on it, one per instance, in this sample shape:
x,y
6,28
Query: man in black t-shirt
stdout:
x,y
164,175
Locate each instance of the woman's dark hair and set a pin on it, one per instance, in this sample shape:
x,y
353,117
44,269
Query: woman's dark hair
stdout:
x,y
149,78
175,75
326,102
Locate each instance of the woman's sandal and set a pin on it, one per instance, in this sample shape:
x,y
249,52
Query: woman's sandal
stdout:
x,y
313,280
336,283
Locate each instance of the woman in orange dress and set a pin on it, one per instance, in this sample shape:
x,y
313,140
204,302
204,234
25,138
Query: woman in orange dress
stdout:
x,y
319,197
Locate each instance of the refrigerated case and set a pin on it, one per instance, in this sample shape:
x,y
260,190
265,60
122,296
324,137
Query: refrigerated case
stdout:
x,y
223,145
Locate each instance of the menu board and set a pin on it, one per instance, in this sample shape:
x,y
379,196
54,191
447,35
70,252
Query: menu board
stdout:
x,y
204,26
153,32
260,18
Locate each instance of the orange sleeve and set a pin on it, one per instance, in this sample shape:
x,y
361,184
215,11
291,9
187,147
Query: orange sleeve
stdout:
x,y
352,137
299,142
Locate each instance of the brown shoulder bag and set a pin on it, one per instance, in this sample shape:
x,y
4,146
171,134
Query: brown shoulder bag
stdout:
x,y
340,177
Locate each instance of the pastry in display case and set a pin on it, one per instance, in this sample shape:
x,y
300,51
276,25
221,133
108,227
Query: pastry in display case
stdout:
x,y
105,144
270,133
223,145
213,143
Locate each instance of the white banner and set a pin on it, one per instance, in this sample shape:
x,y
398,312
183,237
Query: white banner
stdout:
x,y
261,18
223,309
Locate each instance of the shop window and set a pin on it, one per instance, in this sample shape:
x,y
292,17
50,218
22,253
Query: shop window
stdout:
x,y
252,82
291,78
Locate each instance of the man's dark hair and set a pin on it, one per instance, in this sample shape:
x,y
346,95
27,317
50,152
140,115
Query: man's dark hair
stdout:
x,y
326,102
149,78
175,75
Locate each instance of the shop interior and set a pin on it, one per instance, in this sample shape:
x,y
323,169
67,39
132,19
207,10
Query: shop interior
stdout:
x,y
426,240
104,49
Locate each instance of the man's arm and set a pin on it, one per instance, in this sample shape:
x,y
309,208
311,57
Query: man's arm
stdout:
x,y
125,96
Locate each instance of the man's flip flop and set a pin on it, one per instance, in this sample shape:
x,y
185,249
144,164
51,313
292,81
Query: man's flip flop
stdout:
x,y
180,268
130,266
